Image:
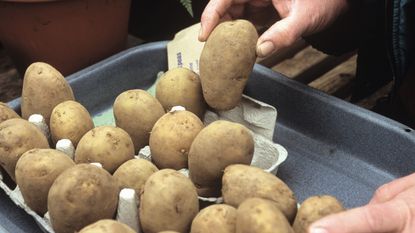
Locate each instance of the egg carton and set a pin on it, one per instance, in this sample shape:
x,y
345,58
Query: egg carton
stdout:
x,y
258,117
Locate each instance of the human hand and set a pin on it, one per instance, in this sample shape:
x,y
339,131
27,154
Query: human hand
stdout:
x,y
391,210
299,18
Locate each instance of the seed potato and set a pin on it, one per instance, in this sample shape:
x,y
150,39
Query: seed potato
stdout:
x,y
241,182
257,215
313,209
134,173
111,146
107,226
43,88
70,120
218,145
169,202
136,111
227,59
171,138
35,172
16,137
218,218
81,195
181,87
6,112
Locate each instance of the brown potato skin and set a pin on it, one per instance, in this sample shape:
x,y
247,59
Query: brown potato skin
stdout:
x,y
168,202
6,112
257,215
16,137
313,209
171,138
111,146
107,226
70,120
136,111
81,195
43,88
35,172
218,218
181,87
227,59
134,173
218,145
241,182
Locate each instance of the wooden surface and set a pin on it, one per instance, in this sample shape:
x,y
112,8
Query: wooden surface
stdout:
x,y
10,81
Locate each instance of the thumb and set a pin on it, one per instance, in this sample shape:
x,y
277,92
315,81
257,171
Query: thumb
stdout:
x,y
280,35
377,218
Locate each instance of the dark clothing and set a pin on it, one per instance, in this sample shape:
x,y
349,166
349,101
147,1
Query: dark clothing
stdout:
x,y
382,33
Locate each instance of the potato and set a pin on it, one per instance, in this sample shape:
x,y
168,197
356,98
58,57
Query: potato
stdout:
x,y
35,172
16,137
219,218
226,61
6,112
111,146
169,202
171,138
181,87
43,88
81,195
136,111
134,173
70,120
257,215
241,182
107,226
313,209
218,145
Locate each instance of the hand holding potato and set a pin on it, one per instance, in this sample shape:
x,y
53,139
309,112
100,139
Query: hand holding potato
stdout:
x,y
299,18
391,210
226,62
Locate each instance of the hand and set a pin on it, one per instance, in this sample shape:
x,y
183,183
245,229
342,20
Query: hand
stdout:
x,y
299,18
391,210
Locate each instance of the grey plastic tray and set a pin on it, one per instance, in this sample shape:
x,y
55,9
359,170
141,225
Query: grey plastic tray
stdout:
x,y
333,147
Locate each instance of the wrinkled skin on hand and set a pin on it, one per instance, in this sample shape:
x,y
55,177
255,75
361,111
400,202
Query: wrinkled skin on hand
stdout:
x,y
298,18
391,210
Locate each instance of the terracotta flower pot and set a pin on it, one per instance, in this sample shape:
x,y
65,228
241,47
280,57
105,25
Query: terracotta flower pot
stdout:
x,y
68,34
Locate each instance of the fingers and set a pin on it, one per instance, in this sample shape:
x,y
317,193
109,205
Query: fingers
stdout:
x,y
280,35
385,217
388,191
215,10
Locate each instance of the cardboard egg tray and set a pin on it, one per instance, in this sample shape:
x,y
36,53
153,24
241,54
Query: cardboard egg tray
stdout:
x,y
257,116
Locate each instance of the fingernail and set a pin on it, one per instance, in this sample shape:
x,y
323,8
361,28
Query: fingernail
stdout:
x,y
200,33
318,230
265,48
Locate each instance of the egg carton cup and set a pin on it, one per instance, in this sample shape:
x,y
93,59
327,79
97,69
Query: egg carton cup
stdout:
x,y
127,211
258,117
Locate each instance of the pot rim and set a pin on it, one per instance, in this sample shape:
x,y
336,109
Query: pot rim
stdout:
x,y
29,1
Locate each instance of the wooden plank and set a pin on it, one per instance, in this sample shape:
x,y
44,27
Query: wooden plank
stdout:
x,y
312,73
370,101
337,81
303,60
282,55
